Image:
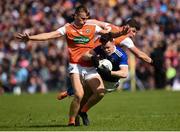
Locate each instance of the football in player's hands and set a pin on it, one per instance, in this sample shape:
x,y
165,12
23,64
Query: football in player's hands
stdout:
x,y
105,64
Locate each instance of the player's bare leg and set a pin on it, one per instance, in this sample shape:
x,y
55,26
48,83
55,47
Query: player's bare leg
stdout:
x,y
78,95
87,94
93,98
98,92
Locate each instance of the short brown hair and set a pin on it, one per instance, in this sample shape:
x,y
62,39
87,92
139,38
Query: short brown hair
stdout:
x,y
105,38
82,8
133,23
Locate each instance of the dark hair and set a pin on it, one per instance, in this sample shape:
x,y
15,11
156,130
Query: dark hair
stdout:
x,y
133,23
105,38
81,8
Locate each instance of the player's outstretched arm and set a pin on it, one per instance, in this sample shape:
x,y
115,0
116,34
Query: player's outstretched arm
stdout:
x,y
106,28
140,54
39,37
127,42
103,25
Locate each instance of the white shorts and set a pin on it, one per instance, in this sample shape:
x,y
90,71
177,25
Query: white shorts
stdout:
x,y
111,86
85,72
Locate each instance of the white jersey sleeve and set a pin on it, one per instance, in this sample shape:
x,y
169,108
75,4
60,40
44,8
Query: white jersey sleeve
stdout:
x,y
127,42
107,26
98,29
62,30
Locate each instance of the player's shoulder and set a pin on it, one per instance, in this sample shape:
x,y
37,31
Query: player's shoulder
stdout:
x,y
119,51
127,40
118,48
67,24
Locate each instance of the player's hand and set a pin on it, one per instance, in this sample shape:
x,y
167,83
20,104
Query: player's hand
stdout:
x,y
104,72
95,60
23,37
125,30
154,63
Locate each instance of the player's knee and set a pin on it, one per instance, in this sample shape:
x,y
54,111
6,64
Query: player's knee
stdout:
x,y
79,96
100,93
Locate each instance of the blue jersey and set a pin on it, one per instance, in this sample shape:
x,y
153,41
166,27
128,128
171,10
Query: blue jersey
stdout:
x,y
117,58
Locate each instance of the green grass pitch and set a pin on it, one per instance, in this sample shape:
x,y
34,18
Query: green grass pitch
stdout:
x,y
148,110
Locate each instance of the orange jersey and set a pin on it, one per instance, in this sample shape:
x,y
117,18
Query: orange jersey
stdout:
x,y
112,28
79,42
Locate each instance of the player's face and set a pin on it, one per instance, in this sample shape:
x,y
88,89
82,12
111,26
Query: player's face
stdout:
x,y
134,31
80,18
108,48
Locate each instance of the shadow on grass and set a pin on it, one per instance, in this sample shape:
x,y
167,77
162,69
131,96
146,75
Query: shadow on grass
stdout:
x,y
34,126
40,126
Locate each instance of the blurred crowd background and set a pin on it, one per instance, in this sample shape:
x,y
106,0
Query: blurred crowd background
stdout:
x,y
32,67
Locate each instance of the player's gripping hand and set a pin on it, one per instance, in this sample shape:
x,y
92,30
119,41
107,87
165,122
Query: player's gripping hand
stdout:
x,y
95,60
154,63
23,37
104,73
125,30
